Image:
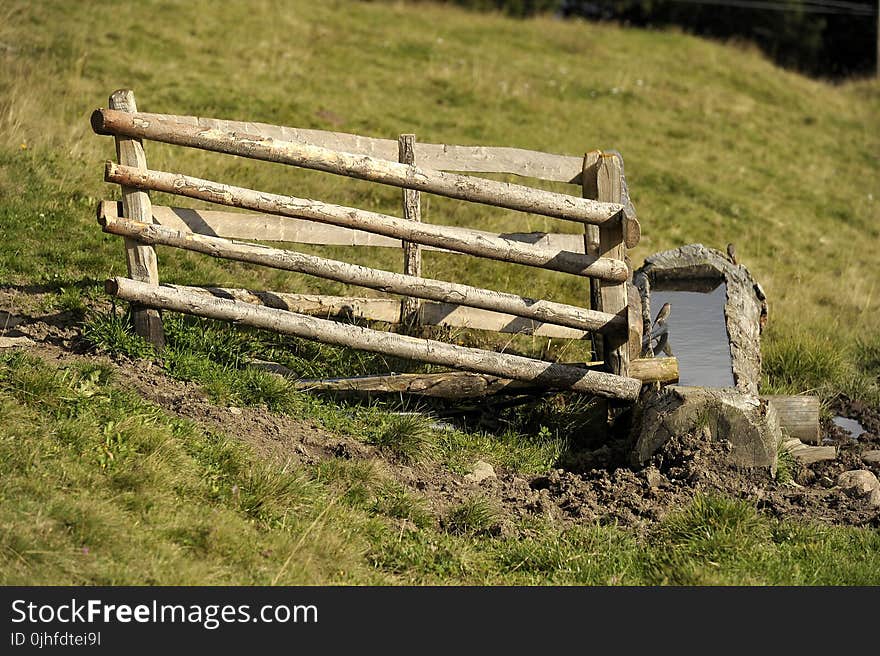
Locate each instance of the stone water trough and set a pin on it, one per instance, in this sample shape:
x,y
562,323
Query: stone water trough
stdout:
x,y
725,407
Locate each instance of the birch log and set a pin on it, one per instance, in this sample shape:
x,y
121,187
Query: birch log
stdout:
x,y
363,167
544,374
353,274
270,227
140,258
445,157
458,384
448,237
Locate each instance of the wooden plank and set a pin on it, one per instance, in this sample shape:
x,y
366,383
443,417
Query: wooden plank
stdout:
x,y
462,240
798,415
353,274
613,296
270,227
591,235
363,167
412,254
543,374
140,258
387,310
455,384
472,159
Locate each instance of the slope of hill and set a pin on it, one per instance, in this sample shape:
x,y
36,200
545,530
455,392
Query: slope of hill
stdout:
x,y
719,145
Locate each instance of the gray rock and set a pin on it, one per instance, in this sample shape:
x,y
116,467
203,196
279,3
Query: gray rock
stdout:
x,y
861,483
740,425
481,471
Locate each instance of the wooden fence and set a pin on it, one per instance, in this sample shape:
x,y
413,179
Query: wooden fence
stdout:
x,y
602,207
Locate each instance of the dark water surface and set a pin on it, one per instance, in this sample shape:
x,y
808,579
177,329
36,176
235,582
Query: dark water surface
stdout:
x,y
697,335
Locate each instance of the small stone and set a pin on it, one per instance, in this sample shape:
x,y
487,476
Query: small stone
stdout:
x,y
653,478
12,342
872,456
859,483
234,411
480,472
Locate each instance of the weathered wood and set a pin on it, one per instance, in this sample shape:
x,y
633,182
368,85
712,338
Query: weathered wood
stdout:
x,y
591,235
798,415
613,297
457,384
473,159
364,167
412,254
462,240
396,283
387,310
140,258
807,455
545,374
270,227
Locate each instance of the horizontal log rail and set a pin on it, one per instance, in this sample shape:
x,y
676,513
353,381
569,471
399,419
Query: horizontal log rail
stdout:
x,y
364,167
387,310
386,281
543,374
458,384
451,238
473,159
271,227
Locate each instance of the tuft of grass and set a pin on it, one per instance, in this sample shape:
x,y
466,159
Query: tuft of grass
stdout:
x,y
474,516
394,501
110,332
406,437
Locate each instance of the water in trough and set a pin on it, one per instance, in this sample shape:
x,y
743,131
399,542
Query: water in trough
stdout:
x,y
697,332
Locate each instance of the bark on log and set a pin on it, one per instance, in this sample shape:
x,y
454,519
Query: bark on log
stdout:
x,y
451,185
451,238
545,374
140,258
386,281
456,384
270,227
387,310
445,157
798,415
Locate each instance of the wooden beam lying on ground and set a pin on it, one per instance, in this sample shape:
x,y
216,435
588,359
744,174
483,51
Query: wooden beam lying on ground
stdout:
x,y
798,415
542,374
354,274
451,238
475,159
457,384
387,310
271,227
363,167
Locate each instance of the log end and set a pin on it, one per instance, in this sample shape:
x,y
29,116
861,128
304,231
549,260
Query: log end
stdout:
x,y
109,171
99,125
111,286
632,231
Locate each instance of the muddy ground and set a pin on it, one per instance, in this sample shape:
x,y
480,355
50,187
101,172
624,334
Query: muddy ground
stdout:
x,y
601,488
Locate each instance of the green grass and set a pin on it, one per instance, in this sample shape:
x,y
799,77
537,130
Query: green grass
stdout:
x,y
101,487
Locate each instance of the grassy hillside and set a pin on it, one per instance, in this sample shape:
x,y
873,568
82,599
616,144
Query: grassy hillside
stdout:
x,y
719,146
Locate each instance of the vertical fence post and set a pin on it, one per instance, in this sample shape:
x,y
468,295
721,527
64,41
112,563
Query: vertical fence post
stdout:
x,y
613,296
412,253
591,240
141,259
